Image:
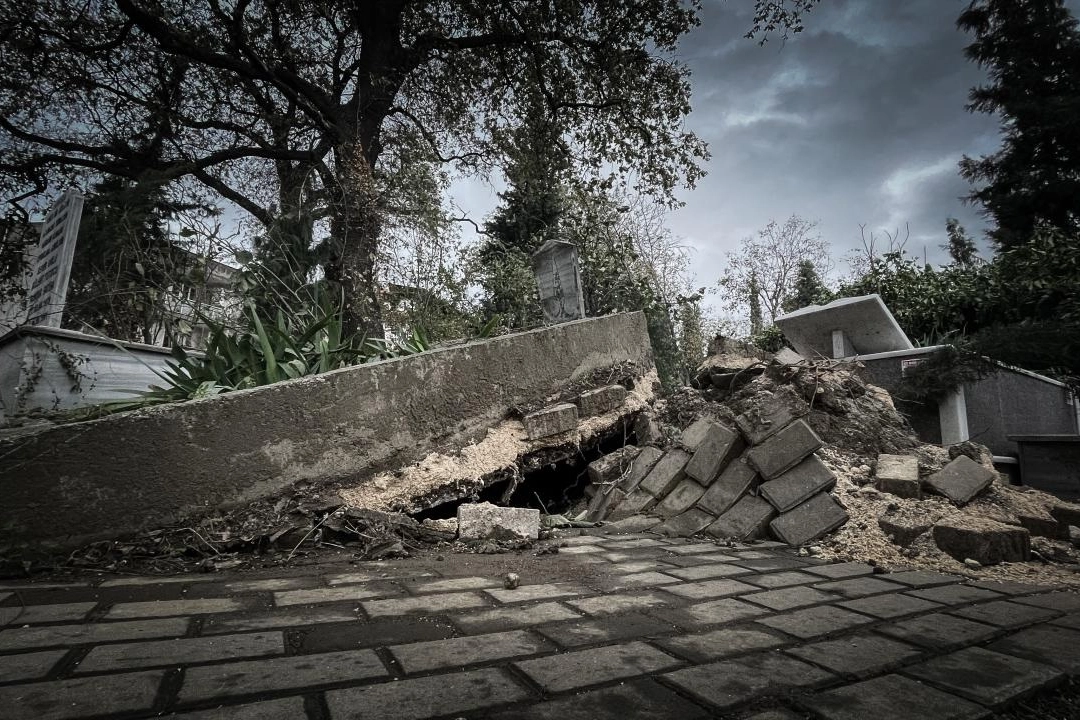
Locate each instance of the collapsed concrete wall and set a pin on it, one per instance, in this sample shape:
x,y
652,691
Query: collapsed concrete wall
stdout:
x,y
72,484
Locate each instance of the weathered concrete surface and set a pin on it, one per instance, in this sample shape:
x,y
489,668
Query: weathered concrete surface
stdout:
x,y
551,421
898,475
772,415
94,480
815,517
798,484
748,518
477,521
784,450
600,400
961,480
732,484
987,541
719,445
666,474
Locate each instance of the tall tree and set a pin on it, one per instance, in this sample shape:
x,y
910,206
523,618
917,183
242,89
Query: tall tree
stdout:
x,y
315,93
960,246
809,288
1031,51
766,266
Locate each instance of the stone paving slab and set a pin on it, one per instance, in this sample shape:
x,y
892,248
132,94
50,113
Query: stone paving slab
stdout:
x,y
635,626
1006,614
293,617
890,606
892,697
640,700
67,635
426,696
727,684
1055,646
508,618
603,630
290,707
858,656
252,677
28,666
986,677
582,668
163,653
723,643
61,699
939,631
470,650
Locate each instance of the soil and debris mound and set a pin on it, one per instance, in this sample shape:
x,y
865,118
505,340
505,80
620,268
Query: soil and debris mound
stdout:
x,y
809,453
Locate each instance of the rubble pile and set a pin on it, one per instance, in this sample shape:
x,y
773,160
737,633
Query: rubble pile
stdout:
x,y
752,478
808,453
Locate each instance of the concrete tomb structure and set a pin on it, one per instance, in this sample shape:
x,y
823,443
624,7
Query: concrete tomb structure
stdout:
x,y
997,410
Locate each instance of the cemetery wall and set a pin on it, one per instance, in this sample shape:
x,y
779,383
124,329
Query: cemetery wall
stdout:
x,y
75,483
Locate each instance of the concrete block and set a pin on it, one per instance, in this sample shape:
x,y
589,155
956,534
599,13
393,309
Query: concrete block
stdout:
x,y
787,356
600,400
772,415
961,480
987,541
666,474
612,467
636,502
693,435
686,524
719,445
647,430
604,503
640,467
784,450
815,517
1066,514
902,530
734,482
680,499
748,518
898,475
798,484
1041,524
477,521
551,421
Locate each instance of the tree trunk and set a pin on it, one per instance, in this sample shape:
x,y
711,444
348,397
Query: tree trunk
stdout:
x,y
354,230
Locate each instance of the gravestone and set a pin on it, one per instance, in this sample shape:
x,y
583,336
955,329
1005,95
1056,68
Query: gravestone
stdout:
x,y
52,267
558,278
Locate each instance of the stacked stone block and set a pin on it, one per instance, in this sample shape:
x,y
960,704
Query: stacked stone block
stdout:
x,y
757,480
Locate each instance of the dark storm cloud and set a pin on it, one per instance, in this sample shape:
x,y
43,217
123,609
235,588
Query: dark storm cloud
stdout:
x,y
859,119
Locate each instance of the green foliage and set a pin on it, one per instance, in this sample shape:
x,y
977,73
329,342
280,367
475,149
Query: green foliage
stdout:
x,y
15,237
960,246
761,276
1031,51
692,332
124,264
809,289
942,372
770,339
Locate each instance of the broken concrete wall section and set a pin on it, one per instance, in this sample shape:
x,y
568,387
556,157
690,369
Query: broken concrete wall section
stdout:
x,y
62,488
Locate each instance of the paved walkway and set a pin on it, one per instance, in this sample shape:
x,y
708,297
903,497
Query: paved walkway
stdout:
x,y
612,627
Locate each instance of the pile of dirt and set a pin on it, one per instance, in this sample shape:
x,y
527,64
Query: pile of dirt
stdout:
x,y
858,422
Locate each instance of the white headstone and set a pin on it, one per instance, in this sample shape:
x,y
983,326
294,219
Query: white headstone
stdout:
x,y
52,266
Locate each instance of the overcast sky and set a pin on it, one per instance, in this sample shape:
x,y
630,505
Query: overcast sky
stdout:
x,y
859,119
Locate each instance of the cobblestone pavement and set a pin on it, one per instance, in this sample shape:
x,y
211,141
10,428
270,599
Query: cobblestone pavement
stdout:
x,y
629,626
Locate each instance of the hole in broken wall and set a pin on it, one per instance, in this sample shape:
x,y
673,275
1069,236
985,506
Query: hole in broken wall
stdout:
x,y
552,480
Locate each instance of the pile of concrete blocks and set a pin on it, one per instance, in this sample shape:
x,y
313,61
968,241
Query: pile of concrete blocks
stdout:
x,y
760,479
972,540
563,417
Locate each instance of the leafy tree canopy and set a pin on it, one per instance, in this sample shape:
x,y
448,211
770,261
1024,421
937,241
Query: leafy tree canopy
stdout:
x,y
1031,51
